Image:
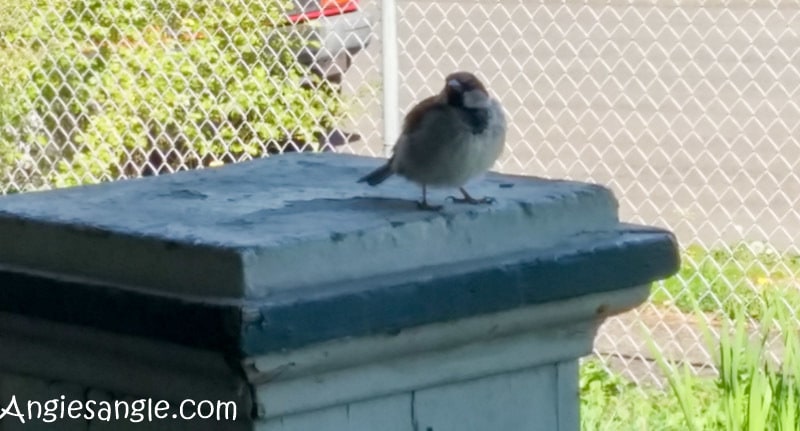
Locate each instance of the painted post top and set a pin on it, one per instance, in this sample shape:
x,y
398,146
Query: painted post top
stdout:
x,y
275,253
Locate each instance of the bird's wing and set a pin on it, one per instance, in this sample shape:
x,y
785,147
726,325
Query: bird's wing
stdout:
x,y
428,132
417,131
415,117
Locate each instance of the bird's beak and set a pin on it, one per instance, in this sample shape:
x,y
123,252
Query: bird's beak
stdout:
x,y
454,84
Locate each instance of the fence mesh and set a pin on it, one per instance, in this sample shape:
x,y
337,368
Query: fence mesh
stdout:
x,y
688,111
98,91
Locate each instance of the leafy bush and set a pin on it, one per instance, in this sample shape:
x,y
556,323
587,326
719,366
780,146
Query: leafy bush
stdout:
x,y
15,63
130,87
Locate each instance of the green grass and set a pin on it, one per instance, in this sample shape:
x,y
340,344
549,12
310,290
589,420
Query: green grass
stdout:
x,y
611,402
751,393
725,279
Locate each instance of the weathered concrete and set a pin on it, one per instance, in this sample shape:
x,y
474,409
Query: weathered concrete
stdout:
x,y
256,228
310,302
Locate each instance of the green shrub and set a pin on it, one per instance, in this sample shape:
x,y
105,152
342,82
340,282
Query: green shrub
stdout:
x,y
129,87
16,62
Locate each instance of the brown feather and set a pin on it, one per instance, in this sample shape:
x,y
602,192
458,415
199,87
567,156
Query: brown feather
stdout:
x,y
414,117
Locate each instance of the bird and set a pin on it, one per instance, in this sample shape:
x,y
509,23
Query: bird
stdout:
x,y
448,139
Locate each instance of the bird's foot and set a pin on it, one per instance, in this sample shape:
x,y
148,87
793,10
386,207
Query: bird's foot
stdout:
x,y
472,201
467,199
425,206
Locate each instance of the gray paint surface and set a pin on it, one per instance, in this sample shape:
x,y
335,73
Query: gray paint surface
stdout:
x,y
256,228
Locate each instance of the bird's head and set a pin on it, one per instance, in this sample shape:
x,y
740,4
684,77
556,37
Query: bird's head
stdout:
x,y
464,89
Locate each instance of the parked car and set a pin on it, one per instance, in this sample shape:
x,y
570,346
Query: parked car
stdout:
x,y
340,28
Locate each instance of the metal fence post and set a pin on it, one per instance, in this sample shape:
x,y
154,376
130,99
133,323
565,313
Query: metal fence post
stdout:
x,y
391,126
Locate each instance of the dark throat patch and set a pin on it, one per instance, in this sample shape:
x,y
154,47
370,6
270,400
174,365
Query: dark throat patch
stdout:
x,y
476,118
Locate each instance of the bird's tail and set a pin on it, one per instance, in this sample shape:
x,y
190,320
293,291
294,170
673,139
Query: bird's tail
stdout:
x,y
378,175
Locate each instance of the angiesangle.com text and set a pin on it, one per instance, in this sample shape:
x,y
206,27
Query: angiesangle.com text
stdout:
x,y
139,410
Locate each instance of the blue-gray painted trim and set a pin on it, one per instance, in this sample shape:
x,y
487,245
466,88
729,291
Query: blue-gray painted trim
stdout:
x,y
585,264
250,229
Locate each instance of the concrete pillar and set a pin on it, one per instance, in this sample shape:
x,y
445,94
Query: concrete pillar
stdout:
x,y
284,292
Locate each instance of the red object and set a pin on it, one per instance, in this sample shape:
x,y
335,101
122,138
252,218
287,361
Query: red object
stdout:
x,y
328,8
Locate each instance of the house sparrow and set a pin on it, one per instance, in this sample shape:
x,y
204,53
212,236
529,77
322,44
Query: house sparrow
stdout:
x,y
448,139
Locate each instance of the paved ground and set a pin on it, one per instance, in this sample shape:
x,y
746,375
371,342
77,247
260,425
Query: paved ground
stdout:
x,y
623,342
689,114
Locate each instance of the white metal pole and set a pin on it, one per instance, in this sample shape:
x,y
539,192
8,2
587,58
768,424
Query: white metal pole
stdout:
x,y
391,116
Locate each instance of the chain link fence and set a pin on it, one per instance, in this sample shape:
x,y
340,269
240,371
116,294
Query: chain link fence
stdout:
x,y
100,90
687,110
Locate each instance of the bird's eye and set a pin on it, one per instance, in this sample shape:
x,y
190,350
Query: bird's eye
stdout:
x,y
455,84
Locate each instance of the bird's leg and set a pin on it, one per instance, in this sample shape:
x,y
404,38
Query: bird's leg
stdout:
x,y
424,204
467,199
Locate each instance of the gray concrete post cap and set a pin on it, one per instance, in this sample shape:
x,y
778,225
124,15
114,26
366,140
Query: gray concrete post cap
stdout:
x,y
262,250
